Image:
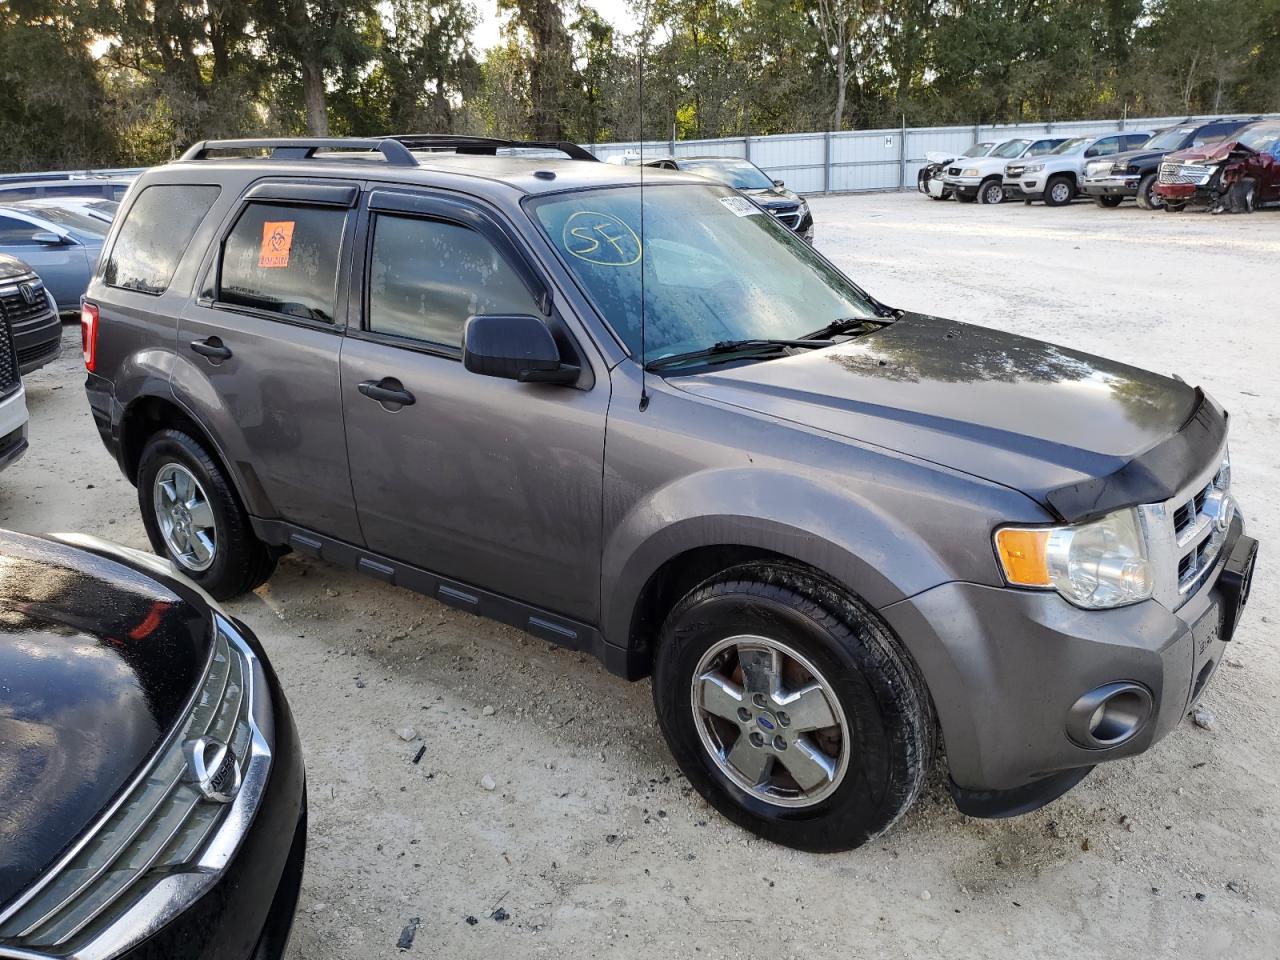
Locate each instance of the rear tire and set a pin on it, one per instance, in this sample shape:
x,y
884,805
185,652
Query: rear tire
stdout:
x,y
748,625
991,191
1059,191
1109,202
225,557
1148,199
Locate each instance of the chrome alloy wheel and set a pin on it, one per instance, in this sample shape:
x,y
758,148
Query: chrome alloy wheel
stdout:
x,y
770,721
185,517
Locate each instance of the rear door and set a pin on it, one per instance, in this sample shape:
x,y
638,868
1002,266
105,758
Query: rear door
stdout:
x,y
257,350
491,482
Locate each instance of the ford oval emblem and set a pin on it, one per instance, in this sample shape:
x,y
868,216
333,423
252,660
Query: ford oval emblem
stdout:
x,y
213,768
765,722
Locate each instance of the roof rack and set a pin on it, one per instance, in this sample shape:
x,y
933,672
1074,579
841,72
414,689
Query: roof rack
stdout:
x,y
394,149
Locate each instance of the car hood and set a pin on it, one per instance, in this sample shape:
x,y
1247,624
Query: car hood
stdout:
x,y
1015,411
1212,153
1139,157
98,663
773,196
11,267
986,165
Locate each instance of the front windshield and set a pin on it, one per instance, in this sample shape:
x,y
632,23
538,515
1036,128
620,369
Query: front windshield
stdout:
x,y
978,150
1261,137
1069,147
1169,139
739,174
715,267
73,220
1011,149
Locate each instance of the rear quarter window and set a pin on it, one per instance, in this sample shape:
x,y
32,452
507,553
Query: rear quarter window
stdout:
x,y
155,234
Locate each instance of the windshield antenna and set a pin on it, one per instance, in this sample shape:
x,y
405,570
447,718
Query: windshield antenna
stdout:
x,y
644,356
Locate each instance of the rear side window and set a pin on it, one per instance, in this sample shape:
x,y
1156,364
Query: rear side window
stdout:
x,y
283,258
427,277
155,234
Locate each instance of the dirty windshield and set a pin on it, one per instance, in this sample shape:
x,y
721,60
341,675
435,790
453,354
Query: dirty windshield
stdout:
x,y
715,267
1010,149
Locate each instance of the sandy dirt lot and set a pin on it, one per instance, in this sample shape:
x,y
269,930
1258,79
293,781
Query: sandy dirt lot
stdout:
x,y
592,845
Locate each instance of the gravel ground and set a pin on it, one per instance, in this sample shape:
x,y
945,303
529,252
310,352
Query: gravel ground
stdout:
x,y
546,817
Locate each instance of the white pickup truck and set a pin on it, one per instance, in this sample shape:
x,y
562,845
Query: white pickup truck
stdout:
x,y
1055,177
13,400
982,178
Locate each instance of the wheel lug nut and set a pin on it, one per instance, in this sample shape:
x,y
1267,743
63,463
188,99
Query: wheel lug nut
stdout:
x,y
784,719
758,700
756,739
744,714
779,743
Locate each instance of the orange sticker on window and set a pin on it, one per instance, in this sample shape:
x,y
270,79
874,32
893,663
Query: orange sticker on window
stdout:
x,y
277,238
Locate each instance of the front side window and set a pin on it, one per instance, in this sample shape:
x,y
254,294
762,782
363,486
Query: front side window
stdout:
x,y
17,233
426,277
155,234
283,258
1104,148
715,267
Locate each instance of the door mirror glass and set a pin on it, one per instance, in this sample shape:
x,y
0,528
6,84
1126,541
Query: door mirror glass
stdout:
x,y
49,239
514,347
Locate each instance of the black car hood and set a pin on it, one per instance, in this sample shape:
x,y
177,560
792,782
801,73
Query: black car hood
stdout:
x,y
11,267
1041,419
98,662
773,196
1139,157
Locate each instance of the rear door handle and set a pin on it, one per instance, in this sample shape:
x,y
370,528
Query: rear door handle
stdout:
x,y
388,391
213,348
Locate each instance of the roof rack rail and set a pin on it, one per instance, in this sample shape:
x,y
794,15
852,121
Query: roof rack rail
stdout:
x,y
304,148
488,146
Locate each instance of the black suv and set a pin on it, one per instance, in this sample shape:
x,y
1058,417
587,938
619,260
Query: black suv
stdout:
x,y
1135,174
643,418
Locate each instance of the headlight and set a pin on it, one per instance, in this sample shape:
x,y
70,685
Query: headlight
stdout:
x,y
804,209
1094,565
971,172
1034,168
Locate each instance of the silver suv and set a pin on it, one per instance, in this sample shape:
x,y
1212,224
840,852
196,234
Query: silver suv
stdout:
x,y
830,530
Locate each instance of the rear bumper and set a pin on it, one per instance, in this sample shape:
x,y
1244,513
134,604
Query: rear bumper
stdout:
x,y
1007,667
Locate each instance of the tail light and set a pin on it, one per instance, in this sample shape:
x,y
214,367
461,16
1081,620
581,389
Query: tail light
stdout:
x,y
89,335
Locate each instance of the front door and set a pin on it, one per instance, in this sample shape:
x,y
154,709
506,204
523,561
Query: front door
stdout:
x,y
257,354
491,482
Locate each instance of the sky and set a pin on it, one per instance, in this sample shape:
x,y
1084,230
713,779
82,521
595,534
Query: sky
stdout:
x,y
489,29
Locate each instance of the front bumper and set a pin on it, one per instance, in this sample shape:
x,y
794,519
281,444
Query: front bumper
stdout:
x,y
966,187
1005,667
1126,186
1185,192
1025,187
13,427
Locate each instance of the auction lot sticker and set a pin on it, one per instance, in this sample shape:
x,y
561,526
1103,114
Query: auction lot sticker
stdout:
x,y
277,239
601,238
741,206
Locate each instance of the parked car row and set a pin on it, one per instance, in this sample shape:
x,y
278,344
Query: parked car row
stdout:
x,y
1222,165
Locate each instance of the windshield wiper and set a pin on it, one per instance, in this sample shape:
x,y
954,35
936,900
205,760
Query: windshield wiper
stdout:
x,y
849,326
731,347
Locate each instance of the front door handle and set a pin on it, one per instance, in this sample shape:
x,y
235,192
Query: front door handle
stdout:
x,y
388,391
213,348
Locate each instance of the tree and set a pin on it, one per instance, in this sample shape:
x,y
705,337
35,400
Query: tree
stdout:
x,y
547,58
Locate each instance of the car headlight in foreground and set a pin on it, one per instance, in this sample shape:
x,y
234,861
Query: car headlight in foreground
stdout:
x,y
971,172
1034,168
1096,565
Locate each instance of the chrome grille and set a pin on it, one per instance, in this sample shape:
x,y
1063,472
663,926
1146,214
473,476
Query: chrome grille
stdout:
x,y
1185,173
1185,534
1015,169
20,312
159,824
789,214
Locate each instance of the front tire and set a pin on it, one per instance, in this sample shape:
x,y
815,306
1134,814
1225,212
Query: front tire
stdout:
x,y
792,708
194,517
1148,199
1059,191
991,191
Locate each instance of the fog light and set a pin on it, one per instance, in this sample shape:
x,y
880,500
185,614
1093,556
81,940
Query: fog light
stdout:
x,y
1109,715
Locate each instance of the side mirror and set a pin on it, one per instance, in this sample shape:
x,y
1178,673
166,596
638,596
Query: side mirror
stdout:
x,y
514,347
50,239
779,184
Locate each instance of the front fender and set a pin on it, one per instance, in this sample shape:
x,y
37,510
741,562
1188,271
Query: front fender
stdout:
x,y
836,528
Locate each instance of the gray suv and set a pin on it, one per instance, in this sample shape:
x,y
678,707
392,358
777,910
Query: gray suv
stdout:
x,y
832,532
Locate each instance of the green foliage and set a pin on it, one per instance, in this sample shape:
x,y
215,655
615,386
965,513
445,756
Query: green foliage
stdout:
x,y
102,82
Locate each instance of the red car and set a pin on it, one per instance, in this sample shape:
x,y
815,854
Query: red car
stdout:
x,y
1236,176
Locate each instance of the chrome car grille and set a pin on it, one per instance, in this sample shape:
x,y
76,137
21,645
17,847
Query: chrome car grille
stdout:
x,y
158,825
19,311
788,214
1192,173
1186,533
1015,169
